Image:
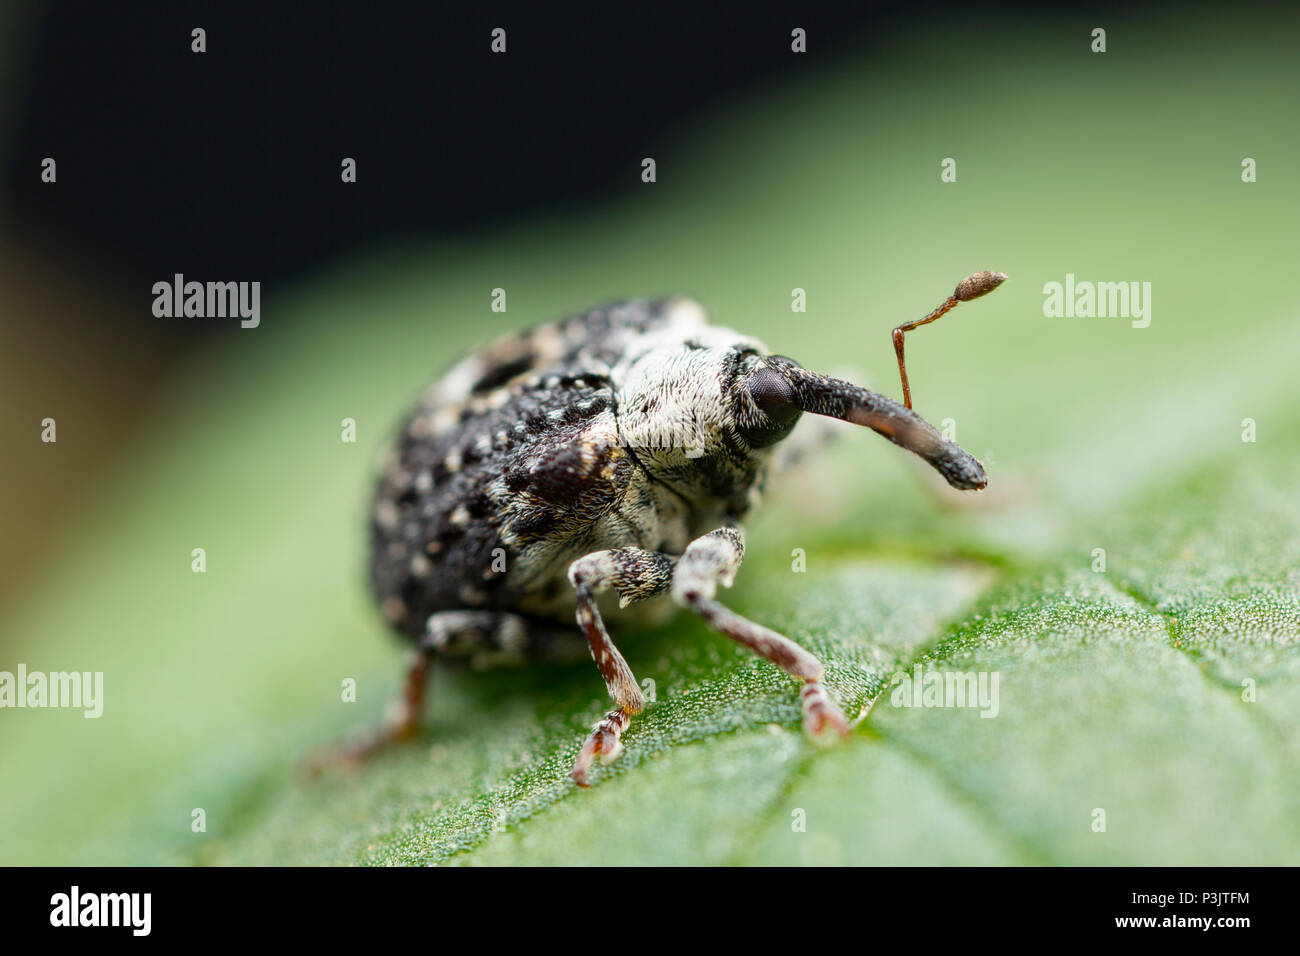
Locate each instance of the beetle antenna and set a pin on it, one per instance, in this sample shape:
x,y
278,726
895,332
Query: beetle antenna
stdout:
x,y
971,287
834,398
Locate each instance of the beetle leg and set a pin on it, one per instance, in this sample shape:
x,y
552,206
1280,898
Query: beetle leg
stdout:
x,y
636,575
489,635
403,723
714,559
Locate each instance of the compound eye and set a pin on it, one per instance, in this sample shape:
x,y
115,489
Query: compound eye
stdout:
x,y
775,399
773,394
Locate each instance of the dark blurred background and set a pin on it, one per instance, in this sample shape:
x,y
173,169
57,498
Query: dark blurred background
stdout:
x,y
235,154
227,164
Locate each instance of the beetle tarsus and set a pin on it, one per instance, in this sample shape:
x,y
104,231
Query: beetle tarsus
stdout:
x,y
820,713
603,742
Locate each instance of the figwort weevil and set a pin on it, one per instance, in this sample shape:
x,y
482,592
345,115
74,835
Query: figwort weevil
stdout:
x,y
617,450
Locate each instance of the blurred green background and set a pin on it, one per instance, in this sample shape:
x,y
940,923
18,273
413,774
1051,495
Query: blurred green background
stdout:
x,y
1119,690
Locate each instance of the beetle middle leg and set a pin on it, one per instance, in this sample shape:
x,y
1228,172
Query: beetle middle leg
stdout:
x,y
714,559
636,575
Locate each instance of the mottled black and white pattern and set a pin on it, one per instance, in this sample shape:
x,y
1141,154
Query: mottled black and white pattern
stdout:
x,y
573,437
614,452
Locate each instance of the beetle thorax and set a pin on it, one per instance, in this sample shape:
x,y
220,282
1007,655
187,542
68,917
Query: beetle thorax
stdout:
x,y
675,402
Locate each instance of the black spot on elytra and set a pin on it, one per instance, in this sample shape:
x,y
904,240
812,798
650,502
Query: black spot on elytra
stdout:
x,y
559,478
478,506
537,525
517,480
501,374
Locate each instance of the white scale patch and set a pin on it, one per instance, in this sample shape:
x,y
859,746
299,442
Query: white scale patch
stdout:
x,y
670,386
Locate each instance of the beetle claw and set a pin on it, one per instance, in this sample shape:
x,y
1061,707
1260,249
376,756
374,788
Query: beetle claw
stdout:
x,y
602,742
820,713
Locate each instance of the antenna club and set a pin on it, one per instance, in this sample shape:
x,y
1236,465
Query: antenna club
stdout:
x,y
974,286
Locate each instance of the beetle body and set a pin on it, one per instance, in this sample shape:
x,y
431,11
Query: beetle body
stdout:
x,y
614,452
605,430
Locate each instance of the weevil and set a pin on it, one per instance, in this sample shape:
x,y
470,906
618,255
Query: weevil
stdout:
x,y
614,452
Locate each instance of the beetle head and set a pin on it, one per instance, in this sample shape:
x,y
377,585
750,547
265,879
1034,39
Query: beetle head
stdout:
x,y
702,410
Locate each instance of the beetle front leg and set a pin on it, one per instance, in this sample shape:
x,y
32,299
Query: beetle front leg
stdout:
x,y
636,575
714,559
